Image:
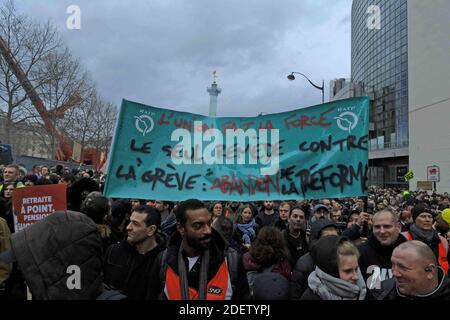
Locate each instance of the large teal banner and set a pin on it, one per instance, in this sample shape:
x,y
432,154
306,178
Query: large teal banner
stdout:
x,y
310,153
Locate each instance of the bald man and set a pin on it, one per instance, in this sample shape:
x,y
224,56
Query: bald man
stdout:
x,y
376,252
417,276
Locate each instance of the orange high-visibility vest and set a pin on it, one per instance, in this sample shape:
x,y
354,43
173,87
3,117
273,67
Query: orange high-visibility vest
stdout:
x,y
443,247
216,289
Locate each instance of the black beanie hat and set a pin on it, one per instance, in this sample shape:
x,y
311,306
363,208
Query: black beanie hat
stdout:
x,y
318,225
324,254
420,208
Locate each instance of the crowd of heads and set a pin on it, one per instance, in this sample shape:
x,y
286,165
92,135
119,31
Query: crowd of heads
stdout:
x,y
259,230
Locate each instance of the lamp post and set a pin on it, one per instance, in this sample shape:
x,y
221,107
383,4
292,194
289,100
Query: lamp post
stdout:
x,y
292,77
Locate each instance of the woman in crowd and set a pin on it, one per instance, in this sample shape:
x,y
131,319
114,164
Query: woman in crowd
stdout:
x,y
267,254
246,228
216,209
337,275
6,212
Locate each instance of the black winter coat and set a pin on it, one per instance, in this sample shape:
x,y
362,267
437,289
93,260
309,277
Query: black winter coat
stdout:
x,y
296,247
264,220
127,270
310,295
303,268
390,292
45,250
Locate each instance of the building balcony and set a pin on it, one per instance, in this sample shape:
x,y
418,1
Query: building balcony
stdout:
x,y
388,150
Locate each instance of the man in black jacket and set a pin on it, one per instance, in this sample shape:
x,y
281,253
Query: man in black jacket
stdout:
x,y
305,265
417,275
268,215
295,235
198,265
375,254
127,266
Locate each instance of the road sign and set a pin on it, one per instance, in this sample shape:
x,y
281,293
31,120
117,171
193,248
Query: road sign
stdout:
x,y
433,173
424,185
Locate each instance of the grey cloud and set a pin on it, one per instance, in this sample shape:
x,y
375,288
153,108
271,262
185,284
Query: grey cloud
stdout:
x,y
162,52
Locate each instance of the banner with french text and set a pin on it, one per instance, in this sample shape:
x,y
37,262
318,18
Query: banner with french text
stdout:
x,y
309,153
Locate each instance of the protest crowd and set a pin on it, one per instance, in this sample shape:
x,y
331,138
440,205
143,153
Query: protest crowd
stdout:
x,y
390,245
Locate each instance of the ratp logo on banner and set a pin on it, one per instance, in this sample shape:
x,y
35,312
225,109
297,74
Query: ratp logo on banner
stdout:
x,y
144,124
347,121
314,152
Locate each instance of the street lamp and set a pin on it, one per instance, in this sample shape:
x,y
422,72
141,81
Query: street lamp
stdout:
x,y
292,77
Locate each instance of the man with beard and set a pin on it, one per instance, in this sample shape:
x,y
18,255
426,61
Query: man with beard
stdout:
x,y
127,266
422,230
197,264
168,219
320,212
267,216
295,235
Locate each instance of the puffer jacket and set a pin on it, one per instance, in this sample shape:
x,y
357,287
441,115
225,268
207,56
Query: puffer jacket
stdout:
x,y
50,252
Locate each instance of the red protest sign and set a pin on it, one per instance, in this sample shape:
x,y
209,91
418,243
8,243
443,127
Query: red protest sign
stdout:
x,y
31,204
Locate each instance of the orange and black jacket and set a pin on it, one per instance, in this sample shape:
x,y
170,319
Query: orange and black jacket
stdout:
x,y
438,244
219,271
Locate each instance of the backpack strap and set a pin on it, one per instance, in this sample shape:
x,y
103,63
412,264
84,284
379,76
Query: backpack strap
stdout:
x,y
386,289
163,268
232,257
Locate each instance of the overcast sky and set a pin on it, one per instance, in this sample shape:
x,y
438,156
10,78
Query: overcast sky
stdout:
x,y
162,52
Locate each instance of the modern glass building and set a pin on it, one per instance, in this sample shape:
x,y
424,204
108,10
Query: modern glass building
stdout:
x,y
379,64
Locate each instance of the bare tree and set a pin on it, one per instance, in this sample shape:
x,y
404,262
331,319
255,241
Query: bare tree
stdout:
x,y
72,104
65,89
30,43
104,120
91,123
